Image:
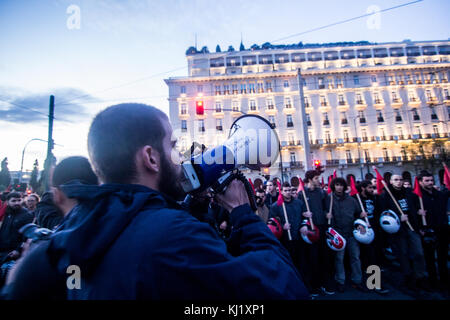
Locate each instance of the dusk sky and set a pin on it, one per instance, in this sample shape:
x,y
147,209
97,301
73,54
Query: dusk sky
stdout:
x,y
123,50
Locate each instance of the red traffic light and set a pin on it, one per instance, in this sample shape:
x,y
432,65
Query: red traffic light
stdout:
x,y
317,163
199,109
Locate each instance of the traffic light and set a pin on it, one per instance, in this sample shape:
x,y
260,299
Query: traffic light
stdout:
x,y
199,108
317,163
318,166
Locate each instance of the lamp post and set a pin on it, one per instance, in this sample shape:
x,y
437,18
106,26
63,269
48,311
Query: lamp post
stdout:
x,y
23,154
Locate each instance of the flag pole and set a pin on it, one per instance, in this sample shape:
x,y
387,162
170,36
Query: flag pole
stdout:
x,y
331,208
287,221
395,201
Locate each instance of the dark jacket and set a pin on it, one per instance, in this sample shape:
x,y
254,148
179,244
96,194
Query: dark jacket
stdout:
x,y
294,210
131,242
10,238
46,213
270,200
316,201
435,204
345,211
408,203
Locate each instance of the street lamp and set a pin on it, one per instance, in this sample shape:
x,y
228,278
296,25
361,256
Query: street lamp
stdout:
x,y
359,148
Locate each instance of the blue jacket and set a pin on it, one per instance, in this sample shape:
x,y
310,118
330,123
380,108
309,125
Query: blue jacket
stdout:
x,y
131,242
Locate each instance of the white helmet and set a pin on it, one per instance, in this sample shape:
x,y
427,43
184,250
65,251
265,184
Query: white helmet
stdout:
x,y
389,221
362,232
335,241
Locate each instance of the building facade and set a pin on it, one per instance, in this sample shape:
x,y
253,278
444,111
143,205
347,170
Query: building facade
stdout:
x,y
366,104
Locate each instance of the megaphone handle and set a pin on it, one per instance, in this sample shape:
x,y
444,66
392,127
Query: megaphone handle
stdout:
x,y
249,189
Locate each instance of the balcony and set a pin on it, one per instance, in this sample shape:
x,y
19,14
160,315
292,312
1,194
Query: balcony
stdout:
x,y
416,118
380,119
290,124
219,128
396,103
413,101
321,86
296,164
308,123
344,121
326,122
362,120
398,119
332,162
365,139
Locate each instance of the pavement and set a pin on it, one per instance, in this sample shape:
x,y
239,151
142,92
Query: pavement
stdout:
x,y
391,278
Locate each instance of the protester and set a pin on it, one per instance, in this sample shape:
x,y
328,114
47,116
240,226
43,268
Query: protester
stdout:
x,y
344,212
294,209
406,243
294,192
31,201
271,193
434,203
262,211
133,241
318,258
10,239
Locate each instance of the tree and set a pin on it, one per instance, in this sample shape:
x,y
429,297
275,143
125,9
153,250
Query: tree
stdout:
x,y
230,49
34,176
218,49
241,47
5,176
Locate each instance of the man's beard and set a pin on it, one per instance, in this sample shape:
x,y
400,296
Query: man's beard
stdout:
x,y
170,180
14,209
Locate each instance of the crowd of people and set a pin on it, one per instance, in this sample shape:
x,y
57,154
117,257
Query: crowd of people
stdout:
x,y
133,237
421,251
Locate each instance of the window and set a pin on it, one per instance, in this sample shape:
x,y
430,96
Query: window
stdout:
x,y
260,87
251,88
382,134
272,120
325,119
398,116
380,116
416,116
218,107
348,155
235,106
306,102
367,155
356,80
234,88
394,97
270,105
183,125
361,116
289,121
286,84
321,83
288,103
243,88
359,98
374,79
291,139
183,108
343,118
429,95
346,137
217,90
436,130
376,98
201,125
183,89
323,101
364,134
200,88
400,132
219,125
292,157
341,99
268,86
411,95
339,82
446,95
433,114
385,154
308,119
310,137
327,137
252,105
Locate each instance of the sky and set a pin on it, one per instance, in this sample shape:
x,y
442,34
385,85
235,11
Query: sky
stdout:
x,y
91,54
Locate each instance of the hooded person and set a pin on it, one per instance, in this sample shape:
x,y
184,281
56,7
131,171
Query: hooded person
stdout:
x,y
131,239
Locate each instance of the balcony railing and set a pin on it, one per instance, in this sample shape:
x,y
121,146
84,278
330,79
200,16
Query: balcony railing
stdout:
x,y
296,164
362,120
326,122
344,121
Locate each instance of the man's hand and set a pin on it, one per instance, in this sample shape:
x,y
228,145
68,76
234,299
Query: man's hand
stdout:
x,y
307,214
404,217
287,226
422,212
304,230
363,214
14,254
329,215
234,196
223,225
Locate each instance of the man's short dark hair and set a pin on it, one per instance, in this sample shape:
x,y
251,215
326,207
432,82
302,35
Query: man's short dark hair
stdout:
x,y
73,168
259,190
286,185
13,195
363,184
423,174
117,133
340,181
310,174
369,176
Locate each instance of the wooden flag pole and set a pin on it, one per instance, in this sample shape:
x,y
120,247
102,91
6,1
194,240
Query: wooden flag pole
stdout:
x,y
287,221
331,208
307,208
362,208
424,221
395,201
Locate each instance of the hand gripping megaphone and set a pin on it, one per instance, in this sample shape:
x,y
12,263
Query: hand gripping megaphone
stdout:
x,y
252,143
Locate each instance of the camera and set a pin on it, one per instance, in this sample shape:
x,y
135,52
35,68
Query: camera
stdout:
x,y
35,233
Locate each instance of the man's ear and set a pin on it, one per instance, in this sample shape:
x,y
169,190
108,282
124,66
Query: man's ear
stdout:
x,y
149,158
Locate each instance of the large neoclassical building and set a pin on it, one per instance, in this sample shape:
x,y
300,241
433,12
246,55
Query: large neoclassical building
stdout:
x,y
383,104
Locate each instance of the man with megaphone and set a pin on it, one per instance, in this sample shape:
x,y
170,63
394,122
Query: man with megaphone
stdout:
x,y
131,240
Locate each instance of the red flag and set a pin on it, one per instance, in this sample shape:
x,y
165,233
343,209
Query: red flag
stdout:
x,y
446,177
280,196
353,189
251,183
322,184
329,184
417,189
301,185
334,174
379,183
2,209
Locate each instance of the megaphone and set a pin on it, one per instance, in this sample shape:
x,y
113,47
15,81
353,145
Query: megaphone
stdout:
x,y
252,143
